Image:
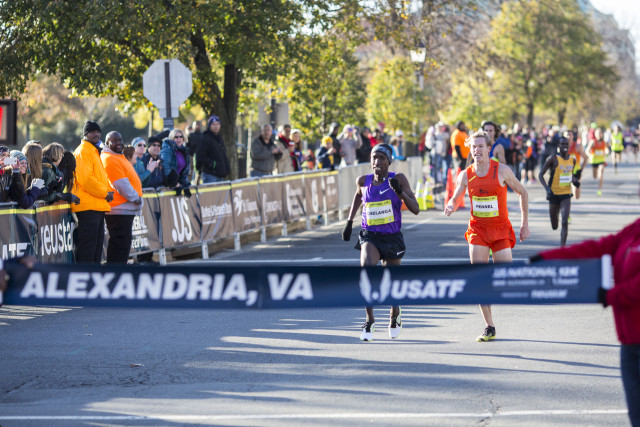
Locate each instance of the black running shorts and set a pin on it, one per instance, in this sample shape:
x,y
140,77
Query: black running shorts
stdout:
x,y
390,245
555,199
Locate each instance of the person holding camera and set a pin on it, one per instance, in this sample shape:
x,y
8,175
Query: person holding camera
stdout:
x,y
12,188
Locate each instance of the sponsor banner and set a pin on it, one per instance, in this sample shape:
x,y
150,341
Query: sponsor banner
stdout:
x,y
331,190
243,286
55,233
313,193
273,211
293,196
216,211
145,231
17,231
246,205
180,219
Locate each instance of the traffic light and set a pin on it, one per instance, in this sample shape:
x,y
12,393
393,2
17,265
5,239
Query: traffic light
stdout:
x,y
8,116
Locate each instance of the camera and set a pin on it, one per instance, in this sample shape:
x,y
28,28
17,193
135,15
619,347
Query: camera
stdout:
x,y
10,161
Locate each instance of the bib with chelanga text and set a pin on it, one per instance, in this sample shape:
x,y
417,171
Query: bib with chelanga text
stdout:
x,y
379,213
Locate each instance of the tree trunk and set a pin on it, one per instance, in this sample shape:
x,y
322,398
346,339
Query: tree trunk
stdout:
x,y
562,112
232,80
530,115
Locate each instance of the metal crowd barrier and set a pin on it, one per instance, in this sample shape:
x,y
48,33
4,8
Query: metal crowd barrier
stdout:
x,y
213,212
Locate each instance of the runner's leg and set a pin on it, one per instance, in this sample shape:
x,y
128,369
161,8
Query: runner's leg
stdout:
x,y
369,256
554,212
565,208
480,255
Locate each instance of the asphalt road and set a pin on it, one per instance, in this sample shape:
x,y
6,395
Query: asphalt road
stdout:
x,y
551,365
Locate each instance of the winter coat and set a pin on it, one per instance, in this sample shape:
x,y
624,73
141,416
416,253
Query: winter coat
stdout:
x,y
91,184
211,155
262,159
53,181
624,248
156,178
168,156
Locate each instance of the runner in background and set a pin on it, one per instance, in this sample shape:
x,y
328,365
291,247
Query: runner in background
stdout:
x,y
558,189
597,150
381,195
489,225
617,146
576,150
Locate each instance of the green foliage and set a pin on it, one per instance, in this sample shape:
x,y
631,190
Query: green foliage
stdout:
x,y
326,86
394,96
543,54
103,48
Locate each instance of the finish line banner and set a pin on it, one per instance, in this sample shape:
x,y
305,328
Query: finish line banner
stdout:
x,y
242,286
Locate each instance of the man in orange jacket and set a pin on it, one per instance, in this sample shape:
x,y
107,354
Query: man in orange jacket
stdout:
x,y
127,201
93,188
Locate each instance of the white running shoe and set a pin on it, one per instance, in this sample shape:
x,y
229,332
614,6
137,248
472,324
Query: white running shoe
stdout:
x,y
367,331
395,325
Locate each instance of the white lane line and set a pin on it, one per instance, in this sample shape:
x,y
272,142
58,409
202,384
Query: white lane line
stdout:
x,y
412,226
424,415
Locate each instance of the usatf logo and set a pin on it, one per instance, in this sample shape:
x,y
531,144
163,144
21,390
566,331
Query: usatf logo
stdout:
x,y
368,294
182,230
237,202
414,289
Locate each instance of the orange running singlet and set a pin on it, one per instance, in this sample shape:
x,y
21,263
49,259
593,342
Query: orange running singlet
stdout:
x,y
489,224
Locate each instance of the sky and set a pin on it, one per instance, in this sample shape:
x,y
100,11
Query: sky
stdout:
x,y
627,14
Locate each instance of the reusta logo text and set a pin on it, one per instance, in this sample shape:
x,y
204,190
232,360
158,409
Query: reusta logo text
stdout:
x,y
408,289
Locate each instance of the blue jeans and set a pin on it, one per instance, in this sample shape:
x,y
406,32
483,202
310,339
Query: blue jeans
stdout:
x,y
630,370
208,178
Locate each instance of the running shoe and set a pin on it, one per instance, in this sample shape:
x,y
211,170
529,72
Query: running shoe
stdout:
x,y
599,193
488,334
395,325
367,331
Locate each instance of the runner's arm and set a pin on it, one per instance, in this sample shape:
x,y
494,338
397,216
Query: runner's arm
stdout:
x,y
498,152
461,188
583,155
357,198
509,178
407,194
550,163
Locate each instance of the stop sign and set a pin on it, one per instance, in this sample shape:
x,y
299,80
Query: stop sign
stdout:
x,y
167,83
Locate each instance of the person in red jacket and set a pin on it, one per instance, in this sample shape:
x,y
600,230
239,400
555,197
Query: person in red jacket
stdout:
x,y
624,248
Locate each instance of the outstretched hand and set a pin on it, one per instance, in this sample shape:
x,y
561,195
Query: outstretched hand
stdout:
x,y
346,232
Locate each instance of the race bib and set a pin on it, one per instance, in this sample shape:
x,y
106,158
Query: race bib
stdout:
x,y
598,153
565,179
379,213
485,207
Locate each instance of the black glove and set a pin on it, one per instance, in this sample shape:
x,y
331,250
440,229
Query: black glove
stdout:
x,y
578,174
602,296
549,194
576,180
75,199
395,185
187,192
172,179
346,232
535,258
179,191
67,197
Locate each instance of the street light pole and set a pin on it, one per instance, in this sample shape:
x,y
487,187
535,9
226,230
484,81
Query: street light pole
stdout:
x,y
418,57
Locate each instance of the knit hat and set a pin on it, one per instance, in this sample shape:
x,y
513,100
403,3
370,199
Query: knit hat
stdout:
x,y
18,155
90,126
153,139
3,148
212,119
326,139
385,149
137,140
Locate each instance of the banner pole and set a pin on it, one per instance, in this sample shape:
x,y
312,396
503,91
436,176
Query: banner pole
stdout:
x,y
607,274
